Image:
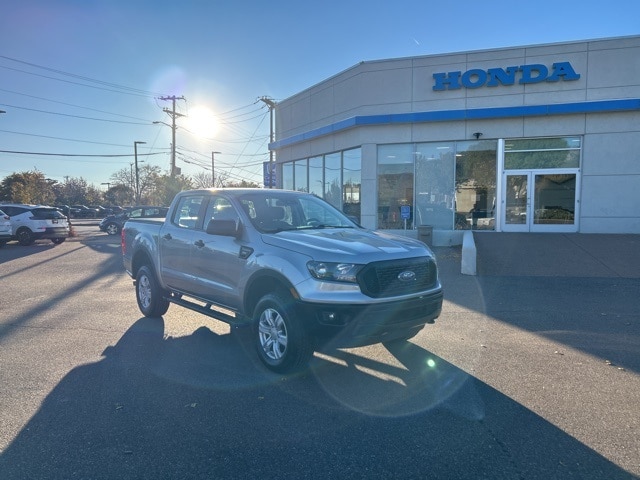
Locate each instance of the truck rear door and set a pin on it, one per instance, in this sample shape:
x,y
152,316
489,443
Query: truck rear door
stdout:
x,y
177,237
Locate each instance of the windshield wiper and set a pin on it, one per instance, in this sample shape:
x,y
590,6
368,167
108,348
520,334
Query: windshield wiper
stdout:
x,y
321,225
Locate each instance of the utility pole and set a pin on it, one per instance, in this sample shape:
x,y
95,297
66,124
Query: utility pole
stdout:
x,y
213,166
135,154
173,114
270,103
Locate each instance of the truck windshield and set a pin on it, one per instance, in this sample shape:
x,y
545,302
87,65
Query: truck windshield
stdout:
x,y
289,211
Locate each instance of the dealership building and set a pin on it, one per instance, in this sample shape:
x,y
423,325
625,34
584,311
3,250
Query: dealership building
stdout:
x,y
540,138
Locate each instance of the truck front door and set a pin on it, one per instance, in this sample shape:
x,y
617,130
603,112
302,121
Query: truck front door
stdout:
x,y
215,259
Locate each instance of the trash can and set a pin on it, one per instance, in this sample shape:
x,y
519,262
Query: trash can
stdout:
x,y
425,234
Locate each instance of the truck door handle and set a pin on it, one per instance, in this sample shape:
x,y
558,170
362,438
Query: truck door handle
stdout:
x,y
167,236
199,243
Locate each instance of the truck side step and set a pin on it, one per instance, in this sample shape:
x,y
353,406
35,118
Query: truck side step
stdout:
x,y
207,309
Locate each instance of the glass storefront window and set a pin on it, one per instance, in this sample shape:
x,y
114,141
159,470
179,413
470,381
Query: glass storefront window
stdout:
x,y
300,175
316,177
351,181
539,153
475,204
336,177
395,185
435,198
332,180
554,200
287,176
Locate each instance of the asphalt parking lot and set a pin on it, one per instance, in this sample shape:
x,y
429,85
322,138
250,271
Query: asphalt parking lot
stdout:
x,y
524,376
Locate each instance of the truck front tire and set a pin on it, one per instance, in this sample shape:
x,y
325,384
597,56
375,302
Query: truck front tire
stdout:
x,y
149,294
283,344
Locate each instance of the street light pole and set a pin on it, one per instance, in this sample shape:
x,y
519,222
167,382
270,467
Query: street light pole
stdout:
x,y
135,154
213,166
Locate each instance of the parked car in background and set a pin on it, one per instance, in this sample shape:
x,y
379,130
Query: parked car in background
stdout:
x,y
65,209
116,209
5,228
102,211
33,222
82,211
112,224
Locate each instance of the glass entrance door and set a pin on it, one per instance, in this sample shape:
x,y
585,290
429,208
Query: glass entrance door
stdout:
x,y
540,201
517,209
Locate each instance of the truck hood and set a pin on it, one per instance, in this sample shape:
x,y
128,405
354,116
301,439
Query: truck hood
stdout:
x,y
364,244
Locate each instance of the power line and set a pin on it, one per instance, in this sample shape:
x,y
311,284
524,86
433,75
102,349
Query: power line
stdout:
x,y
65,139
72,105
125,89
72,116
76,154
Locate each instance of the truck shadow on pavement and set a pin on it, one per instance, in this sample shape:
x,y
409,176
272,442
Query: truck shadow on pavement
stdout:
x,y
196,406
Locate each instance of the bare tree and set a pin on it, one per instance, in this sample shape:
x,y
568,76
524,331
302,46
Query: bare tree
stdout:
x,y
202,180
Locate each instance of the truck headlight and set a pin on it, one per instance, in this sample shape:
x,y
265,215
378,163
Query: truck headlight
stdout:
x,y
335,272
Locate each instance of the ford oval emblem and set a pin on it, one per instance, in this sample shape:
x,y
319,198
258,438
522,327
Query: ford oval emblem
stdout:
x,y
407,276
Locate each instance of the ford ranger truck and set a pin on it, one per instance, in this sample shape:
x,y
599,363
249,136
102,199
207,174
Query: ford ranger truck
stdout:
x,y
289,265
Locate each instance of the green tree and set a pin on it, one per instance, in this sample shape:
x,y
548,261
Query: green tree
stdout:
x,y
167,187
242,184
118,195
28,187
73,191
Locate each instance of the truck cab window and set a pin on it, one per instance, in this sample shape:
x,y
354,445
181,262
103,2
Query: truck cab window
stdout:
x,y
186,214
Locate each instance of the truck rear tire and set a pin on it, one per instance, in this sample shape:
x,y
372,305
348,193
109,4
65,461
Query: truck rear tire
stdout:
x,y
149,294
283,344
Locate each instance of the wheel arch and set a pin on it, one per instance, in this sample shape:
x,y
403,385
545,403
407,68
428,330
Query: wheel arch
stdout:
x,y
263,283
140,259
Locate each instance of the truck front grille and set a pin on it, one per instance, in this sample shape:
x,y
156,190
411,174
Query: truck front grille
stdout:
x,y
398,277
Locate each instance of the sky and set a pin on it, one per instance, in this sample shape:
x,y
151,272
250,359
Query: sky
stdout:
x,y
82,80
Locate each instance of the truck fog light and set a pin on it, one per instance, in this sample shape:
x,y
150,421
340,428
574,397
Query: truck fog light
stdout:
x,y
332,318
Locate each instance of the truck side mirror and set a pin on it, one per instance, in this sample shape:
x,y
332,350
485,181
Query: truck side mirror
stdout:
x,y
227,228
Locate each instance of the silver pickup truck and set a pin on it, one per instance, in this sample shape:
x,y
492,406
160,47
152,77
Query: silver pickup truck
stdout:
x,y
289,265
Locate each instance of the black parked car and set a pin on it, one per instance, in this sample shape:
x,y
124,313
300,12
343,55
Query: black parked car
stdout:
x,y
102,211
82,211
112,224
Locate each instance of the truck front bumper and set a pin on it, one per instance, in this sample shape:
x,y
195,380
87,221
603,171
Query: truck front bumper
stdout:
x,y
358,325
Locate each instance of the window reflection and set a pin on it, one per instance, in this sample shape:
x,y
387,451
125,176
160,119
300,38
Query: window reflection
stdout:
x,y
435,199
316,177
335,177
455,185
476,185
555,199
395,185
351,181
300,175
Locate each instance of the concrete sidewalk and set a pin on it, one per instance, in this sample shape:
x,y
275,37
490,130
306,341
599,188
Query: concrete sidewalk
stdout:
x,y
557,255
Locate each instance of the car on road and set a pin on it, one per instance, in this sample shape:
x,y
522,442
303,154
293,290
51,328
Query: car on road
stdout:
x,y
34,222
112,224
5,228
